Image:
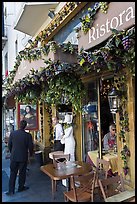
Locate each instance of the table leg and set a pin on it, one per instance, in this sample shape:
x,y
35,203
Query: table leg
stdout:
x,y
68,184
53,184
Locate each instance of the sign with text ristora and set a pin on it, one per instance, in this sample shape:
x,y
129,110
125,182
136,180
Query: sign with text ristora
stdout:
x,y
120,16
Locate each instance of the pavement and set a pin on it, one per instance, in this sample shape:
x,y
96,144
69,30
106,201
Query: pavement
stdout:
x,y
38,182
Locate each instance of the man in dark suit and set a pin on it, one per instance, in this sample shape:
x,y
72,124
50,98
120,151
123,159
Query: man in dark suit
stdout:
x,y
20,144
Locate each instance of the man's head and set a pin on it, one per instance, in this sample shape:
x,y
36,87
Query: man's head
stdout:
x,y
112,129
23,124
55,120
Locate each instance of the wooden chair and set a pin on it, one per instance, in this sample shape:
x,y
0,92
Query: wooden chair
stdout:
x,y
102,168
58,160
102,173
111,186
82,193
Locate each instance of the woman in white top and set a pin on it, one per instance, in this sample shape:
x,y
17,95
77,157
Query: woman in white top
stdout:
x,y
58,133
68,137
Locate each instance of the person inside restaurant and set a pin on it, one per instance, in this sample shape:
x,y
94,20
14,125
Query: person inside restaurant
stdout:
x,y
109,140
58,133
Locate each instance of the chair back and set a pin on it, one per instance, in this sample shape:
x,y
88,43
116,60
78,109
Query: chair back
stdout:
x,y
85,192
102,168
111,186
60,159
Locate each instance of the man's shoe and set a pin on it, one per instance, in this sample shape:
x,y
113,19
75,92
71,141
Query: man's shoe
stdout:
x,y
23,189
9,193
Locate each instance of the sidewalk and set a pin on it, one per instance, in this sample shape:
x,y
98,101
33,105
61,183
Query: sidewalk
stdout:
x,y
39,183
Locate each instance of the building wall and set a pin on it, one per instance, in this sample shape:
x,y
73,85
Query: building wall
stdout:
x,y
12,9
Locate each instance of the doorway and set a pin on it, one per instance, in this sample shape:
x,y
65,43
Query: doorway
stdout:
x,y
90,122
106,116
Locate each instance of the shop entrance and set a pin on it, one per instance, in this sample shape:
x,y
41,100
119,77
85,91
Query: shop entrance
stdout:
x,y
106,116
90,121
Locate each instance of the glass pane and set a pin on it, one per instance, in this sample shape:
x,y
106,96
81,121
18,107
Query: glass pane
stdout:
x,y
90,120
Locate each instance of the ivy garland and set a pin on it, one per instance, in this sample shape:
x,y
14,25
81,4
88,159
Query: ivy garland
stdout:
x,y
120,84
66,88
31,55
118,51
49,110
88,19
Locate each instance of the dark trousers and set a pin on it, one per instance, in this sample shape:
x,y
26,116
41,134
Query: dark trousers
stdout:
x,y
58,146
14,168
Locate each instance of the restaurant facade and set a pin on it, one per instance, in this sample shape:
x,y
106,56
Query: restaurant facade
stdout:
x,y
87,50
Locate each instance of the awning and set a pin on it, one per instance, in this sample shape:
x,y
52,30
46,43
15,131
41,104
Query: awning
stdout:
x,y
33,15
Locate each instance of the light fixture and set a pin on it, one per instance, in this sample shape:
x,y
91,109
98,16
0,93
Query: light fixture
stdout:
x,y
29,41
51,14
113,99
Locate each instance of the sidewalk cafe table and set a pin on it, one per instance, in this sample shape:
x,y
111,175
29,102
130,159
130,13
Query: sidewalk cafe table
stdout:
x,y
76,168
111,157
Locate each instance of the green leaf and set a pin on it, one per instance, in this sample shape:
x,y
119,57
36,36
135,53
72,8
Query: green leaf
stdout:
x,y
82,61
114,31
117,41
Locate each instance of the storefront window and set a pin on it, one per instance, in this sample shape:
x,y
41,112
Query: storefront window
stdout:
x,y
90,120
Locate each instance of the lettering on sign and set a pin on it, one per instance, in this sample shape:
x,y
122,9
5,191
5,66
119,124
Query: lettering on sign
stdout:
x,y
114,23
120,16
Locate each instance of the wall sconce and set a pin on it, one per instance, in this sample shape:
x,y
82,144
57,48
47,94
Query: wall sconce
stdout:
x,y
113,99
29,41
51,14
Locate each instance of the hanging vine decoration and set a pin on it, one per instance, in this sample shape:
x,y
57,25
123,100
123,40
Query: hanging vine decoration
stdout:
x,y
114,56
66,88
88,19
120,84
49,110
35,54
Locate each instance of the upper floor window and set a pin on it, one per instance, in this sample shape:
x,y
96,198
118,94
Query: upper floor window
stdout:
x,y
16,47
6,64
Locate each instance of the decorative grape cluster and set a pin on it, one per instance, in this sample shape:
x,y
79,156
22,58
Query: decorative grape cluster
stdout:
x,y
103,6
53,46
125,169
105,55
90,59
126,41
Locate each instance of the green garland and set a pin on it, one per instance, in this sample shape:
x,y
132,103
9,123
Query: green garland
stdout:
x,y
67,88
121,86
88,19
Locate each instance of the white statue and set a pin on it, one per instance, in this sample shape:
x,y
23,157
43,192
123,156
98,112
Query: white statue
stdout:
x,y
68,137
